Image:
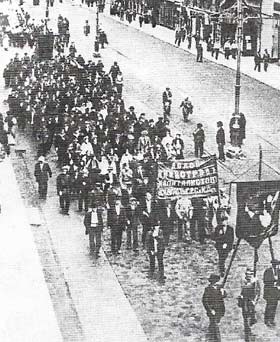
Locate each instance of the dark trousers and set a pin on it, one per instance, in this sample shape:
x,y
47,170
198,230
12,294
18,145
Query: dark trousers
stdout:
x,y
197,226
160,264
166,235
199,57
116,239
214,330
249,318
217,51
222,259
83,200
270,310
145,230
198,148
227,53
64,202
132,232
221,152
265,66
94,240
42,189
257,66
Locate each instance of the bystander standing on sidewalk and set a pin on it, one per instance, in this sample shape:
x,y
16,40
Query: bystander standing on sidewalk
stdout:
x,y
257,60
189,38
141,19
233,48
227,49
199,57
266,59
216,49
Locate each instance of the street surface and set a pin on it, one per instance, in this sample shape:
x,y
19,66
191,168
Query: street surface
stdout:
x,y
172,312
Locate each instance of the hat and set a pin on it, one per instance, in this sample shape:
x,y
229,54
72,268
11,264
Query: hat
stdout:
x,y
133,199
213,278
65,167
275,262
41,159
131,107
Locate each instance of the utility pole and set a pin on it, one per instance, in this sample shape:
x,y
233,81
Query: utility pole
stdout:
x,y
239,47
96,53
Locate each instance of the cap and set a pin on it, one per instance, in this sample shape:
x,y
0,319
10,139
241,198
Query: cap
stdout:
x,y
133,199
131,107
214,278
65,167
41,159
199,125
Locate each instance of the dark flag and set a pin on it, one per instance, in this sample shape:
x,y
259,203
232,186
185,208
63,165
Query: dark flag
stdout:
x,y
258,205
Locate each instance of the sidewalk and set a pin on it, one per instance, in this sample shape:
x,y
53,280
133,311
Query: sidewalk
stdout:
x,y
271,77
26,309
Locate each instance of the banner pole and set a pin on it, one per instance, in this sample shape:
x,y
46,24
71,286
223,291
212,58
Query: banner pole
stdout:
x,y
231,261
256,259
260,162
271,248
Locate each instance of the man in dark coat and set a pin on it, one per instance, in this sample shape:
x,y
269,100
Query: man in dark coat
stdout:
x,y
42,173
213,302
199,138
93,223
167,218
155,249
83,188
63,186
220,140
149,214
271,292
133,221
116,222
224,238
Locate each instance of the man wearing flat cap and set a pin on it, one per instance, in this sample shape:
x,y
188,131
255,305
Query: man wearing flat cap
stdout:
x,y
63,186
213,302
42,173
271,292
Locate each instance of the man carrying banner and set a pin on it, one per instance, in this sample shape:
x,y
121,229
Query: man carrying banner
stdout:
x,y
224,237
271,292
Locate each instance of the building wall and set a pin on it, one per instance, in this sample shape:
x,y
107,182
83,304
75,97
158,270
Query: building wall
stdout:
x,y
269,34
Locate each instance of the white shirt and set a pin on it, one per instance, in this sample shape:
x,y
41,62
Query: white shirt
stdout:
x,y
94,219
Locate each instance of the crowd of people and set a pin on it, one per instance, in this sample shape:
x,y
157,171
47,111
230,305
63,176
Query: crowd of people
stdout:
x,y
107,153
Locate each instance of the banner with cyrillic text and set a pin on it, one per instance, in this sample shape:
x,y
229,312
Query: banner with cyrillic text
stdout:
x,y
195,178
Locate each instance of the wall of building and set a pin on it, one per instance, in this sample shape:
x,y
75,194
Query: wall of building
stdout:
x,y
269,33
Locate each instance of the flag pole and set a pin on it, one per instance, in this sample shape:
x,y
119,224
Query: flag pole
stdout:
x,y
231,261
